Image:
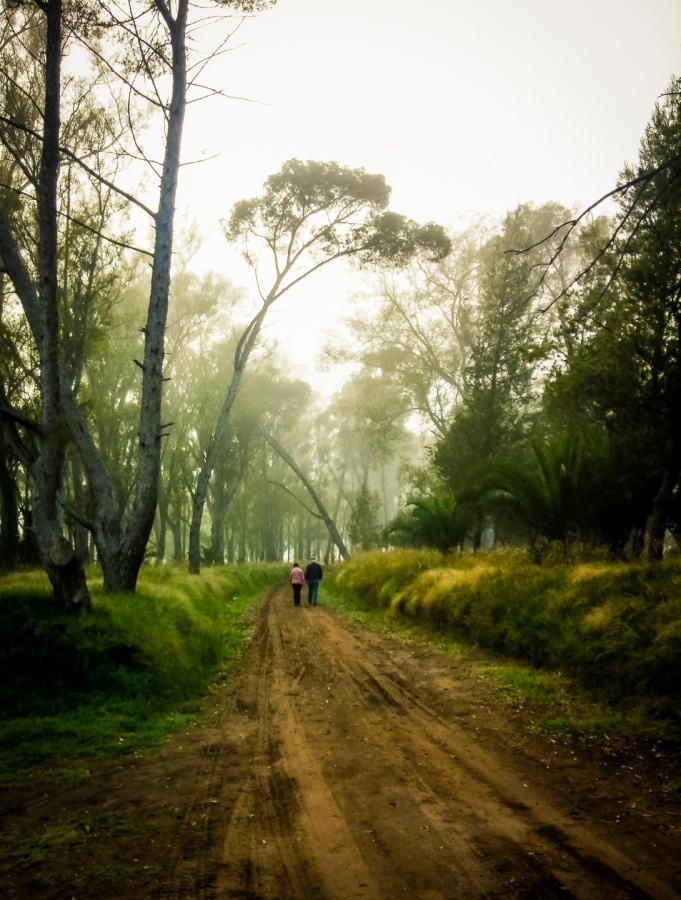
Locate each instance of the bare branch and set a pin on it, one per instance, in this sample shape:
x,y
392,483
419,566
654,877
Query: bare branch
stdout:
x,y
610,243
296,498
572,223
218,92
641,181
72,156
119,76
84,225
195,162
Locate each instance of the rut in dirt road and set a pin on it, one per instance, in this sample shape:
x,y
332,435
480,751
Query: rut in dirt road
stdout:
x,y
367,776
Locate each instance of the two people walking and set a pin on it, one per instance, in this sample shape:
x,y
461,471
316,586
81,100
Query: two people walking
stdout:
x,y
312,575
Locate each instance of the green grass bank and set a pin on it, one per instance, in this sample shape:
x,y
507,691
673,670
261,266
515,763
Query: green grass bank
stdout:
x,y
123,677
613,628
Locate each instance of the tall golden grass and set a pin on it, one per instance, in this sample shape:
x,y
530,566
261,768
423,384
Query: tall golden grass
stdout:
x,y
615,627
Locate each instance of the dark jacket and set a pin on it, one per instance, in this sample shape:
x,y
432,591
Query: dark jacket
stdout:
x,y
313,572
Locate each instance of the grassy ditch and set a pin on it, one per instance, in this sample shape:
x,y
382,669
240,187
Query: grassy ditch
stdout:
x,y
614,629
122,678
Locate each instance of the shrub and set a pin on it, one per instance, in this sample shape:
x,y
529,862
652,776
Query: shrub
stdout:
x,y
377,576
615,627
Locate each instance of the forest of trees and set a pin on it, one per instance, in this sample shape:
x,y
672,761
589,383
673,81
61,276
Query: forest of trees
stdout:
x,y
516,382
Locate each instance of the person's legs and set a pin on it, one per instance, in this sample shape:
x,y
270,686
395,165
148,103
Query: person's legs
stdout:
x,y
296,594
314,589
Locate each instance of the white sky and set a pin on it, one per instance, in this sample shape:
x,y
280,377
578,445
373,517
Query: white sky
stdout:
x,y
463,105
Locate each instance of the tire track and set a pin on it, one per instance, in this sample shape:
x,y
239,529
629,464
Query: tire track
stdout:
x,y
298,842
191,864
350,784
507,812
258,859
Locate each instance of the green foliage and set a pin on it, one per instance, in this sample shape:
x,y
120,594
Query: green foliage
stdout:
x,y
614,627
376,577
393,238
621,351
301,189
419,336
124,676
330,211
496,418
570,492
437,521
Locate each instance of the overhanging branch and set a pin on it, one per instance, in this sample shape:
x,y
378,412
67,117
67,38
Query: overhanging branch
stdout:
x,y
82,224
72,156
641,181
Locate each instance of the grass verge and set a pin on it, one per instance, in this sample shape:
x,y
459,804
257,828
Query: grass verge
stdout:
x,y
122,678
610,633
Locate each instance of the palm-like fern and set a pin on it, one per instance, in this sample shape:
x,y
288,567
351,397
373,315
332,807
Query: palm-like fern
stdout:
x,y
563,494
436,521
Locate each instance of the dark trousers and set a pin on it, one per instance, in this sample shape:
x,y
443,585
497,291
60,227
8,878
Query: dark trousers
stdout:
x,y
297,588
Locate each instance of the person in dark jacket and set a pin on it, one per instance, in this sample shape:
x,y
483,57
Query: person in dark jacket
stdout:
x,y
313,575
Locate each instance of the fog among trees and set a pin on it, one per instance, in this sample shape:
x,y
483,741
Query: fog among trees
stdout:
x,y
516,382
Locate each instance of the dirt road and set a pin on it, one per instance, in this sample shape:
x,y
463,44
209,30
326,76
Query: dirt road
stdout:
x,y
342,763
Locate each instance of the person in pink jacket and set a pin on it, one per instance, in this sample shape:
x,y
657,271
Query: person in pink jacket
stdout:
x,y
297,579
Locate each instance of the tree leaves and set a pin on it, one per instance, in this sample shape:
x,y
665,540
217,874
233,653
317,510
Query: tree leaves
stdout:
x,y
323,211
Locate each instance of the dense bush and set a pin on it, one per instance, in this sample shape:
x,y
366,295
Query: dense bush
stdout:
x,y
378,576
615,627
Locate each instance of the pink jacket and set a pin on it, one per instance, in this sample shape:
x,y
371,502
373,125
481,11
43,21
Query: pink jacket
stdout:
x,y
297,576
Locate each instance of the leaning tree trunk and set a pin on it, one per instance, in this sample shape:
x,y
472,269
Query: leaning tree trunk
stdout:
x,y
328,521
339,497
218,439
216,446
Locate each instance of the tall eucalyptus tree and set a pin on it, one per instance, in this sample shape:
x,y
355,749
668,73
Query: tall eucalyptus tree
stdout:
x,y
154,45
309,215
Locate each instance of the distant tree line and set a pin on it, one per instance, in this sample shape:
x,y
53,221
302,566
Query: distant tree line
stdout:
x,y
546,355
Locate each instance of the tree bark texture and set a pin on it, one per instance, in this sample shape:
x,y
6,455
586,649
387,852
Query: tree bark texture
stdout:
x,y
124,563
64,569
